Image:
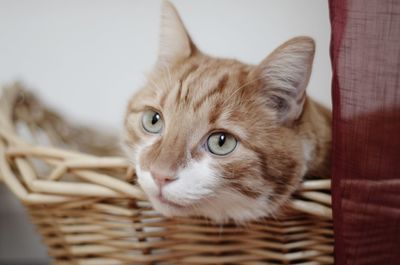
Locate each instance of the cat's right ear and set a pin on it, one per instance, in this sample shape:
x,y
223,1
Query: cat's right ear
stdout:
x,y
175,43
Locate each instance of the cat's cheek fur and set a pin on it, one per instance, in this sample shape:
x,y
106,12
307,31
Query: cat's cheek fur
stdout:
x,y
146,181
195,182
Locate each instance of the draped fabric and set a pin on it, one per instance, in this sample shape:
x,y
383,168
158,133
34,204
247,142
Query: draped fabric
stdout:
x,y
365,53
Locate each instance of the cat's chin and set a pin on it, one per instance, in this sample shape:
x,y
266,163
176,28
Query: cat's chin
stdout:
x,y
169,203
219,215
168,208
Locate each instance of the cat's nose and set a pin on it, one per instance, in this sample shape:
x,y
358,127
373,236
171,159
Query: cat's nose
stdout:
x,y
162,179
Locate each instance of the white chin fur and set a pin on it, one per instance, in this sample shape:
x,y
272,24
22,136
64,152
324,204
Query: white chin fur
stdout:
x,y
200,192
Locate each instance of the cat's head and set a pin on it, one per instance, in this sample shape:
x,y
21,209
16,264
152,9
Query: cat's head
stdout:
x,y
217,137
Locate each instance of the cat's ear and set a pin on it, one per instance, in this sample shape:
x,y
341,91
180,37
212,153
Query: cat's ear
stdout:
x,y
175,43
285,74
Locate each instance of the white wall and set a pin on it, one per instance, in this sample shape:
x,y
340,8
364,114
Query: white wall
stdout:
x,y
87,57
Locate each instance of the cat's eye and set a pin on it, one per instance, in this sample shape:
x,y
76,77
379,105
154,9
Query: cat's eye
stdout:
x,y
152,121
221,143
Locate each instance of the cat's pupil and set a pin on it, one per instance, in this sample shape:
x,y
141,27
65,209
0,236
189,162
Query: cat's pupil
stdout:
x,y
221,139
155,119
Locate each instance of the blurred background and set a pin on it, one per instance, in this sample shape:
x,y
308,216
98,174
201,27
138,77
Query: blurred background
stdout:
x,y
86,58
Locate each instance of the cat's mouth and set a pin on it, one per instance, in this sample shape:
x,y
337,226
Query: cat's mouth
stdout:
x,y
163,200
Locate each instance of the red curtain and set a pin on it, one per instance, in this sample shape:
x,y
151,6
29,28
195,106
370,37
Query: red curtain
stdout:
x,y
365,53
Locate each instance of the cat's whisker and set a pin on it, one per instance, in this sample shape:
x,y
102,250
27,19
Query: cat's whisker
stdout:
x,y
154,84
193,207
210,203
167,82
242,86
169,74
272,215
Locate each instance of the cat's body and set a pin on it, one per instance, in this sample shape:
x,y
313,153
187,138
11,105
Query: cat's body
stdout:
x,y
223,139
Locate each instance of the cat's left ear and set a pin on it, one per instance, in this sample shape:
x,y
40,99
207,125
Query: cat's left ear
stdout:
x,y
285,74
175,43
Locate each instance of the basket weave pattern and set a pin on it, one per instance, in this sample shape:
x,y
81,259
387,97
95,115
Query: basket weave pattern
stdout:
x,y
84,202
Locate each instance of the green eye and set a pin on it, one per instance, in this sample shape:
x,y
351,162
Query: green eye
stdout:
x,y
221,143
152,121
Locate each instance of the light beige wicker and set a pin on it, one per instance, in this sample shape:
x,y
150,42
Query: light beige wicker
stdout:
x,y
88,209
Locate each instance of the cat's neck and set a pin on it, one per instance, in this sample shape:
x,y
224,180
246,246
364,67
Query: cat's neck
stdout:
x,y
315,132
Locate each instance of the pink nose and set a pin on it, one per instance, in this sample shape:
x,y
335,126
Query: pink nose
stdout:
x,y
161,179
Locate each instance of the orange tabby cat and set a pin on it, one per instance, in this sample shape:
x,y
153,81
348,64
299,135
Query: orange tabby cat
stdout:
x,y
223,139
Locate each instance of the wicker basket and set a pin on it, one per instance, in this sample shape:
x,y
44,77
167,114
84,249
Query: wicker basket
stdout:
x,y
84,202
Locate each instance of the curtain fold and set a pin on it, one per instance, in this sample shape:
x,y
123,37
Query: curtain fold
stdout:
x,y
365,53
